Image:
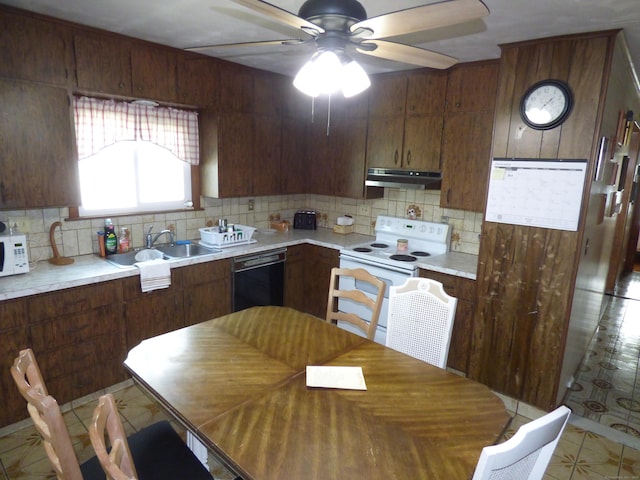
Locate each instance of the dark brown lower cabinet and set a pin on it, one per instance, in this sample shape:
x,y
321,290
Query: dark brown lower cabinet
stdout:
x,y
82,335
317,275
464,290
14,336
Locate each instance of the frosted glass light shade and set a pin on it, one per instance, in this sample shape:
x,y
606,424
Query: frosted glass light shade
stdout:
x,y
327,73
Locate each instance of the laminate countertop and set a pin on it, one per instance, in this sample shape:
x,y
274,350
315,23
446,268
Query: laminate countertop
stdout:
x,y
88,269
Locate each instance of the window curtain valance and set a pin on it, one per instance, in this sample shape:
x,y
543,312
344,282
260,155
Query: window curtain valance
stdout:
x,y
100,123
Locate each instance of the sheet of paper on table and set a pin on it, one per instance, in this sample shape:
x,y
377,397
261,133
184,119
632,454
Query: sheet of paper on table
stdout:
x,y
349,378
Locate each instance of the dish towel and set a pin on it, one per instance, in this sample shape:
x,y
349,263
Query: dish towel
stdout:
x,y
154,274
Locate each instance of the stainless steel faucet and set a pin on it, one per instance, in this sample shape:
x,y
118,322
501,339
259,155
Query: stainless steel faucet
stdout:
x,y
151,239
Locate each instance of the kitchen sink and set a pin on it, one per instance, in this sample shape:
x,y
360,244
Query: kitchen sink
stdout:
x,y
127,259
186,250
166,252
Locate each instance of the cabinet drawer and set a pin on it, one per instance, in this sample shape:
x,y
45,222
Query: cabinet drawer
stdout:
x,y
77,328
80,299
205,272
462,288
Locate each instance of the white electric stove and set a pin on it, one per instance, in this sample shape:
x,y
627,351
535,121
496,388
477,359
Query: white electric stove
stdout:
x,y
391,261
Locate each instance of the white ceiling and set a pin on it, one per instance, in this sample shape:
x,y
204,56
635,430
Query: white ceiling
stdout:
x,y
190,23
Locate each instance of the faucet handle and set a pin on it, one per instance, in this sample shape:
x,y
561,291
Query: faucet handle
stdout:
x,y
149,231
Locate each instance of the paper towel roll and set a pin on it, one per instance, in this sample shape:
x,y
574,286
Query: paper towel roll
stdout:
x,y
344,221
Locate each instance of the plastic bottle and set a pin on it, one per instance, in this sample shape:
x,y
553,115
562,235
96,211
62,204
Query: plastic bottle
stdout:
x,y
123,240
110,238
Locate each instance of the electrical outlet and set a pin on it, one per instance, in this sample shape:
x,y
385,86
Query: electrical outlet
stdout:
x,y
251,204
21,224
364,210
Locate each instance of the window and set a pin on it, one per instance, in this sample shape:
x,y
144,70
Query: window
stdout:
x,y
134,158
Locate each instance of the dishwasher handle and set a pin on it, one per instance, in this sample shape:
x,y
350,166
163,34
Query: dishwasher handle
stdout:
x,y
257,260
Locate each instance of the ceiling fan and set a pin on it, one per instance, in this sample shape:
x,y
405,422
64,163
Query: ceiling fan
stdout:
x,y
339,26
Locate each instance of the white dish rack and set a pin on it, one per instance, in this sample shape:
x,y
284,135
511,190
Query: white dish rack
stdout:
x,y
212,237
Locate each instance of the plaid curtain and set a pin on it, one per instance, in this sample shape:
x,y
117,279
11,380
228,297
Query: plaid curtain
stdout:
x,y
100,123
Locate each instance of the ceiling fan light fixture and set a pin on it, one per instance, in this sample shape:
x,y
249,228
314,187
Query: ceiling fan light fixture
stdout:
x,y
354,79
329,71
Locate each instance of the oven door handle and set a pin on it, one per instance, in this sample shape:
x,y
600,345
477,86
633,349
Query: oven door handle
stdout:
x,y
377,265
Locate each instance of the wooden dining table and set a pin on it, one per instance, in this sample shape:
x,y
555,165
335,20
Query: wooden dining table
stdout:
x,y
238,383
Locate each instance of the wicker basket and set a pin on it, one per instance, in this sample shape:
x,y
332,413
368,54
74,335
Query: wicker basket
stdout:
x,y
344,229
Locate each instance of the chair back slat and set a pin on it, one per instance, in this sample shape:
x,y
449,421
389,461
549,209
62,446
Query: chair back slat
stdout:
x,y
373,305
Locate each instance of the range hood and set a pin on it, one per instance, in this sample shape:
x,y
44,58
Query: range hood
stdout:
x,y
385,177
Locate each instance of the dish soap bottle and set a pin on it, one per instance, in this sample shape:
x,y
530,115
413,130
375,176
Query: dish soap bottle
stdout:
x,y
110,238
123,240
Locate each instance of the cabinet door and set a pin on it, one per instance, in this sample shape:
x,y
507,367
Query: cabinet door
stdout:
x,y
235,149
14,332
207,291
198,81
348,141
268,92
103,63
387,95
426,90
153,73
319,172
294,288
465,162
34,49
422,142
266,158
384,142
39,163
295,162
317,277
472,87
236,89
464,290
156,313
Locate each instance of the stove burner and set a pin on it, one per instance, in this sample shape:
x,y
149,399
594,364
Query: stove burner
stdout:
x,y
379,245
421,254
403,258
362,249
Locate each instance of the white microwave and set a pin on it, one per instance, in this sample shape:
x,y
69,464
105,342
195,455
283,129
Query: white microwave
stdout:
x,y
14,256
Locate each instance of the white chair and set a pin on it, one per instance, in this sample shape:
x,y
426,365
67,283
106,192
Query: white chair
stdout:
x,y
420,320
526,455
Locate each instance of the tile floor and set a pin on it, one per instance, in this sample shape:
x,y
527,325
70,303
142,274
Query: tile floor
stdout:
x,y
587,450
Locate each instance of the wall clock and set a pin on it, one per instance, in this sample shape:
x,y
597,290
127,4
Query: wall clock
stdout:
x,y
546,104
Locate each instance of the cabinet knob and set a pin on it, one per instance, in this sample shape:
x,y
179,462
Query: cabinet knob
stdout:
x,y
409,157
395,157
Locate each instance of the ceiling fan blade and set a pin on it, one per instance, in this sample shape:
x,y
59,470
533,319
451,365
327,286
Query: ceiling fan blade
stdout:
x,y
408,54
279,14
423,18
265,43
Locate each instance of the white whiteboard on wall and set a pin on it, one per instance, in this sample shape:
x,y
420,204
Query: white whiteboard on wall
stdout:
x,y
536,192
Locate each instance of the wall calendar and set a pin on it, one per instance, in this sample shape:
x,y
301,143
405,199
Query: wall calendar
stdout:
x,y
536,192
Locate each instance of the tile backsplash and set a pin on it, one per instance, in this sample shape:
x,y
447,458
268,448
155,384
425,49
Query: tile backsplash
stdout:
x,y
79,237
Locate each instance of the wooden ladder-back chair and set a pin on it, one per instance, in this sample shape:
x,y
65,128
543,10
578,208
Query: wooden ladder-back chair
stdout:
x,y
373,305
117,463
154,453
49,423
526,455
420,320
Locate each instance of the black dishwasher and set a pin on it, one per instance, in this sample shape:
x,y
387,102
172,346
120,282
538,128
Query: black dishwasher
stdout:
x,y
258,279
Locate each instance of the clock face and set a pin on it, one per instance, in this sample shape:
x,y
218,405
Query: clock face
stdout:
x,y
546,104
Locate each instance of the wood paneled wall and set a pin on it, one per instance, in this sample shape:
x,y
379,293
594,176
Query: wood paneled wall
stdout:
x,y
526,275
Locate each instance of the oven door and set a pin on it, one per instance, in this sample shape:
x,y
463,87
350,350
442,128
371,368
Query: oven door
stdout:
x,y
388,275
